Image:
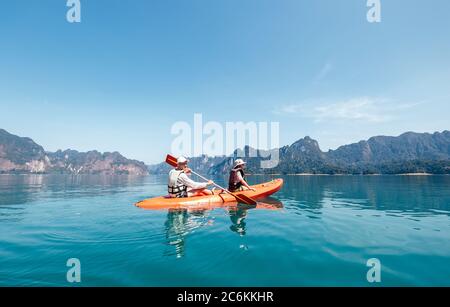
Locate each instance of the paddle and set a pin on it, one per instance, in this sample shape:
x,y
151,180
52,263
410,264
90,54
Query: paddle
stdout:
x,y
171,160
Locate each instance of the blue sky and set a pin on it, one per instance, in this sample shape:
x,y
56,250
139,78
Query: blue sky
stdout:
x,y
119,79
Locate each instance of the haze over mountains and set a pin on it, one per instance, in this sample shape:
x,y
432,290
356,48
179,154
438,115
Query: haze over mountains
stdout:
x,y
408,153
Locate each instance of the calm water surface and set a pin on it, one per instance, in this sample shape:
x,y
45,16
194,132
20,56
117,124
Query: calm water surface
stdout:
x,y
323,234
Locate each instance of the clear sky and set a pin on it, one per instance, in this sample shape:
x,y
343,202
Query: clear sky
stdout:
x,y
119,79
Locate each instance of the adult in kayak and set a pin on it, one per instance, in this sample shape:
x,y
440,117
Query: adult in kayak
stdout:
x,y
180,185
237,180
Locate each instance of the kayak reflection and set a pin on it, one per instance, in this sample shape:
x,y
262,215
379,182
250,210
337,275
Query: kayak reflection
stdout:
x,y
182,222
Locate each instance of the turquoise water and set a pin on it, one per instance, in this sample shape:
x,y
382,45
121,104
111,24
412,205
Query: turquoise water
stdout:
x,y
327,229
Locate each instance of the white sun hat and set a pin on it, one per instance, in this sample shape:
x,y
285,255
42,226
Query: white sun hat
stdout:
x,y
238,162
182,160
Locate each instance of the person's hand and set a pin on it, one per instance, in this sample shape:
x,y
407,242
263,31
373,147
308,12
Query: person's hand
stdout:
x,y
187,170
210,182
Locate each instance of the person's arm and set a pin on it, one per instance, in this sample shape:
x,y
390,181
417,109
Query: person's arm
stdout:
x,y
191,183
244,183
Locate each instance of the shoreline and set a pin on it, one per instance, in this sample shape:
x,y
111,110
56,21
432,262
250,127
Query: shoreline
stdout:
x,y
256,174
416,174
337,175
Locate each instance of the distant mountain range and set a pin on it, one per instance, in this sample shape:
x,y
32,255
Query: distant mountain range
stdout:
x,y
408,153
23,155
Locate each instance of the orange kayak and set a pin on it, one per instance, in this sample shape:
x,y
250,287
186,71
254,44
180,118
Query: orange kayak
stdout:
x,y
219,197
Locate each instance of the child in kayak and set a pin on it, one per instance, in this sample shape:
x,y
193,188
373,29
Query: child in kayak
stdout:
x,y
180,185
237,177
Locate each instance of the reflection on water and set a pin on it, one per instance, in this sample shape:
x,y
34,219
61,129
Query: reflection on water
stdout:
x,y
19,190
405,194
237,218
176,230
181,222
328,224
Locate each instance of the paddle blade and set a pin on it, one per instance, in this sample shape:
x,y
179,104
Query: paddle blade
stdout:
x,y
245,199
171,160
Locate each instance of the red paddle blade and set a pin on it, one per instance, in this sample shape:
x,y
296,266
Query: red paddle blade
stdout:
x,y
171,160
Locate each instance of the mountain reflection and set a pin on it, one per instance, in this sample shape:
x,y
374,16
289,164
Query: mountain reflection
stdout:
x,y
424,194
17,191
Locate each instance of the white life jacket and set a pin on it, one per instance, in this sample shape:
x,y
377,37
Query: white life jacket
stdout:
x,y
175,187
